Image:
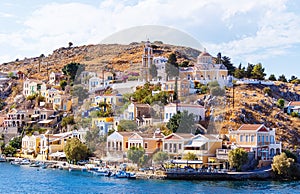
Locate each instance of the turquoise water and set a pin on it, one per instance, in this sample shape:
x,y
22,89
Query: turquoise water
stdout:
x,y
22,179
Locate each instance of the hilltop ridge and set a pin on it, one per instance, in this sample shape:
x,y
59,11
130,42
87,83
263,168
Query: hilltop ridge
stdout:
x,y
119,57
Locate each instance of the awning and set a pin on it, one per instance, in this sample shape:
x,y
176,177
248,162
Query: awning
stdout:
x,y
58,154
29,122
45,121
195,144
186,161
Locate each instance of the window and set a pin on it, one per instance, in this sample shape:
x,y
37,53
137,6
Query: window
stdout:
x,y
247,138
241,138
166,115
175,147
179,146
272,139
126,144
166,146
259,138
252,138
108,144
267,138
146,145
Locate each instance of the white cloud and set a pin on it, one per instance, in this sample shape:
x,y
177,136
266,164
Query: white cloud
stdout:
x,y
244,30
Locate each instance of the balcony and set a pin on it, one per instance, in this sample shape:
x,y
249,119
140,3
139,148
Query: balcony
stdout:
x,y
222,154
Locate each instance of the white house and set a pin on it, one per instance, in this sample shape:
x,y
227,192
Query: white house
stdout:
x,y
94,82
31,87
172,108
160,63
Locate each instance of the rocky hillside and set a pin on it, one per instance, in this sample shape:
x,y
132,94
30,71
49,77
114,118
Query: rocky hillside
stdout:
x,y
250,104
95,57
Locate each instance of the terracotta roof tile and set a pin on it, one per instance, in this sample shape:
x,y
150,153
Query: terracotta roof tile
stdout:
x,y
250,127
294,103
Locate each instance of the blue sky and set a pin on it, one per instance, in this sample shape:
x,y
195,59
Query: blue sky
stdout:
x,y
247,31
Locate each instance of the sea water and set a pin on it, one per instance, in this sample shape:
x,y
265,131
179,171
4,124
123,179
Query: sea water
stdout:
x,y
25,179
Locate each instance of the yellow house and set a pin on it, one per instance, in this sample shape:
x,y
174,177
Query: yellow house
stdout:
x,y
62,102
31,145
256,138
204,147
182,87
113,100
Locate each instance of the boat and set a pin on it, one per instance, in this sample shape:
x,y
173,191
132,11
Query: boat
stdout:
x,y
121,174
2,158
16,161
101,172
25,162
35,164
124,174
131,175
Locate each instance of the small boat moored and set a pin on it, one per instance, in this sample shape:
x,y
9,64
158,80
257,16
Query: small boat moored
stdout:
x,y
2,158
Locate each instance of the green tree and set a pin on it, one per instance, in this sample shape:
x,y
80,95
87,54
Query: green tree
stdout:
x,y
282,78
182,122
9,150
239,72
63,84
127,125
237,158
290,154
93,139
136,155
153,71
172,68
272,78
73,69
258,72
13,145
2,104
248,73
69,120
284,166
215,89
227,62
184,64
80,92
267,90
10,75
16,142
75,150
160,157
175,95
280,103
190,156
293,78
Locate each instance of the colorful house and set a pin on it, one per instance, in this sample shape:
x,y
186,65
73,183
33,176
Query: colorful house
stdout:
x,y
31,145
256,138
31,87
174,143
204,147
293,106
105,124
183,86
141,113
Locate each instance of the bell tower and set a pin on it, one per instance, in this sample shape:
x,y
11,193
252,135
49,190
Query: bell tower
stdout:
x,y
147,60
